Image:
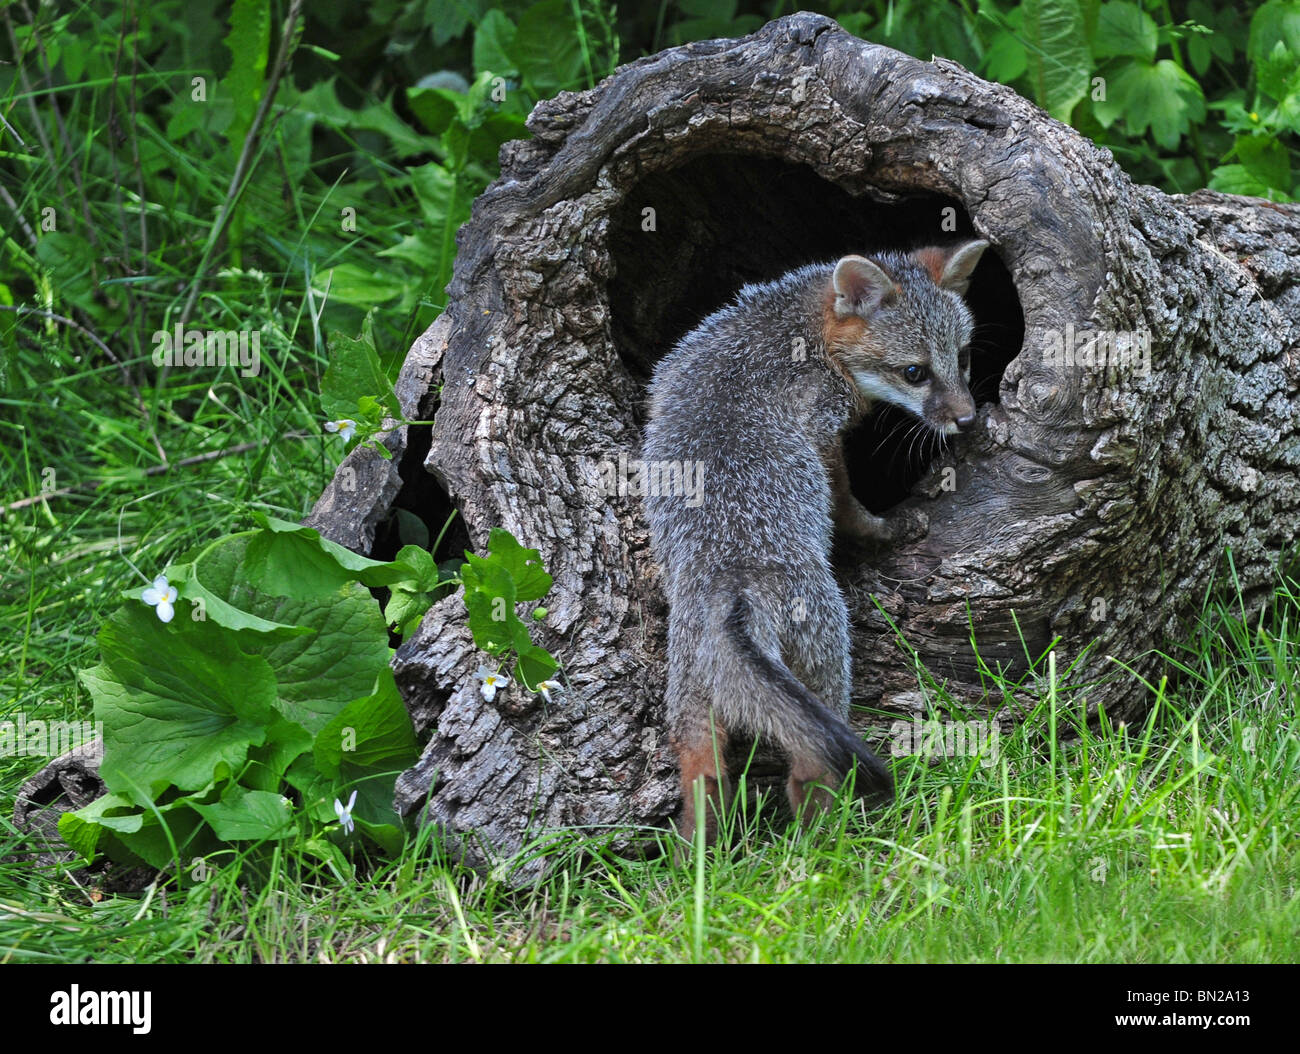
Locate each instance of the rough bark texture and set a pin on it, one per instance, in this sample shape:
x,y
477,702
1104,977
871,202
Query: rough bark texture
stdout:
x,y
1088,507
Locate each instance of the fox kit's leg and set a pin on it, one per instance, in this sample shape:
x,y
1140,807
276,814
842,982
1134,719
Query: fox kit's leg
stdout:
x,y
849,514
700,754
818,654
697,732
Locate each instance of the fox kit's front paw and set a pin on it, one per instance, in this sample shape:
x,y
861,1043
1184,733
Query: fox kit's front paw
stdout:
x,y
855,523
865,529
908,525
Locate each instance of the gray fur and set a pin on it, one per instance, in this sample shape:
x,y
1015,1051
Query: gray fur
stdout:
x,y
747,573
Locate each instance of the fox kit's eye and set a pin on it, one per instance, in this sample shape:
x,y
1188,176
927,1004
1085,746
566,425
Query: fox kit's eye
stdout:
x,y
963,358
915,374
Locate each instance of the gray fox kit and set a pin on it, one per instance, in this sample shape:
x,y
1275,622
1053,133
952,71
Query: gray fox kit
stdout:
x,y
758,397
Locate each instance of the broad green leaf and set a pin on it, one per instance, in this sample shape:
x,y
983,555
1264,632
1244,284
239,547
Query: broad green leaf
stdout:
x,y
536,664
1267,160
177,701
1237,179
136,835
289,560
1277,21
490,603
547,50
318,675
286,741
251,815
363,749
1123,28
436,108
405,607
423,573
1056,46
213,576
369,734
1005,59
494,36
1161,97
83,828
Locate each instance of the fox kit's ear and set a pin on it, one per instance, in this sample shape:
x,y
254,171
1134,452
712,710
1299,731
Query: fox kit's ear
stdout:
x,y
952,267
860,287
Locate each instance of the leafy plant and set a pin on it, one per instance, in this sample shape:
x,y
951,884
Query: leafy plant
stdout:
x,y
243,721
246,721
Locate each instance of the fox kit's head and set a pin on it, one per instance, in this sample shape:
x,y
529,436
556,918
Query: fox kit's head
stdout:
x,y
897,328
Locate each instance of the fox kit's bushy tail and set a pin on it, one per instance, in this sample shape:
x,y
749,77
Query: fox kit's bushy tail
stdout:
x,y
763,694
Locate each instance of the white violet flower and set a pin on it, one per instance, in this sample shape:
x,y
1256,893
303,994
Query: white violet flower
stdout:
x,y
345,814
160,596
345,427
492,680
547,687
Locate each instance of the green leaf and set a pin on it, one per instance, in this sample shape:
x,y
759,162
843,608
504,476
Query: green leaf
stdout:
x,y
248,43
251,815
1161,97
436,108
1277,21
494,36
1005,59
1278,73
354,371
1236,179
378,729
547,50
289,560
357,284
136,835
524,565
286,741
318,675
370,734
536,664
320,104
411,529
490,602
213,576
1265,159
1060,63
178,702
419,566
444,206
1124,29
338,639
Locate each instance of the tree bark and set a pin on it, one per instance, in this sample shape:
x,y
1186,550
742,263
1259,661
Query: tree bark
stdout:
x,y
1088,511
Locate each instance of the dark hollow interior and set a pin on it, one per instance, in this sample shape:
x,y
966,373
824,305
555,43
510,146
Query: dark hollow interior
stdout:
x,y
723,221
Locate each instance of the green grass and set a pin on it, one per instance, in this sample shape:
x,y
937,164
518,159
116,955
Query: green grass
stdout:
x,y
1169,841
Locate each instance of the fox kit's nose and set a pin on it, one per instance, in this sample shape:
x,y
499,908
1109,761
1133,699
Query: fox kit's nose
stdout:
x,y
965,421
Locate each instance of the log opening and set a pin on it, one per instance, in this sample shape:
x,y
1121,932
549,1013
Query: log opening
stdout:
x,y
721,221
